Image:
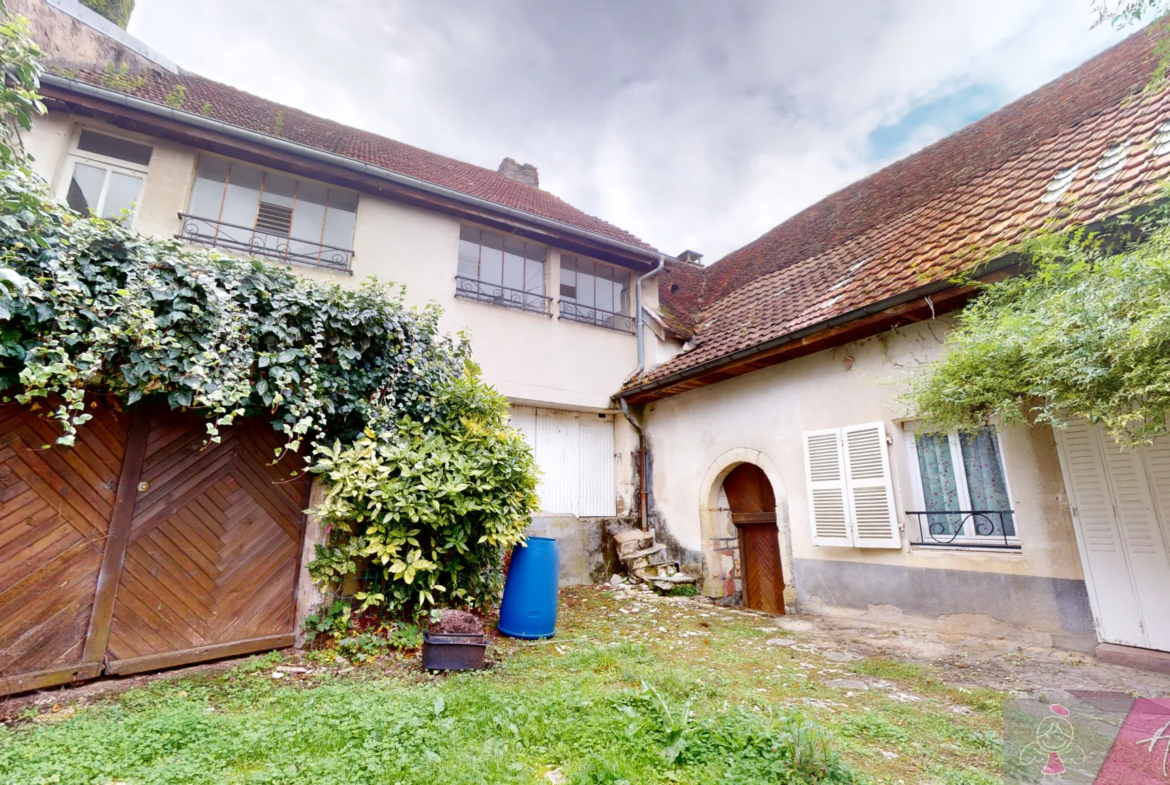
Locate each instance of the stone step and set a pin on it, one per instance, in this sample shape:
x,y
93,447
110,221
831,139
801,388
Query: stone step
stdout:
x,y
633,534
642,554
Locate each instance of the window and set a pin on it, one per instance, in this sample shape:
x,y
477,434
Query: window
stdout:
x,y
499,270
266,214
851,495
961,491
595,293
106,174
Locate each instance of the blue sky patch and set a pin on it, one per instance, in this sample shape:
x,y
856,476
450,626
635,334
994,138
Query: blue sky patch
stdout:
x,y
942,117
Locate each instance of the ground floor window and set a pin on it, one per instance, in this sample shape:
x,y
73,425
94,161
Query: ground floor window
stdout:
x,y
961,489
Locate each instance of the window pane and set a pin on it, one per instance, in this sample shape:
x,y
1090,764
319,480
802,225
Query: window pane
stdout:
x,y
112,146
586,283
939,489
568,278
514,258
121,195
534,280
308,219
339,222
622,286
279,190
85,188
242,199
604,275
469,253
985,483
207,196
491,258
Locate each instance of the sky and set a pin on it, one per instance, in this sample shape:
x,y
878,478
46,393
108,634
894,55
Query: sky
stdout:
x,y
694,125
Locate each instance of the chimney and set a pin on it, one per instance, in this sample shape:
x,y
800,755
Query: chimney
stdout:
x,y
690,256
520,173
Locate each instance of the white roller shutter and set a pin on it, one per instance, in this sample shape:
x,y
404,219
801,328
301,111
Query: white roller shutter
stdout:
x,y
825,472
851,492
871,489
575,452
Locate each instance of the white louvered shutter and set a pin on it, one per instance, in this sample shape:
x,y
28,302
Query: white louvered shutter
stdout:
x,y
871,489
1119,617
828,506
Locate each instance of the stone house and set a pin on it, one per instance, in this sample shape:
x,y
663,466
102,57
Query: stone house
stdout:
x,y
779,467
779,420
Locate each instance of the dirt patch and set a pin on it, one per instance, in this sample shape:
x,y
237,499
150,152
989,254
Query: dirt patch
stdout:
x,y
454,622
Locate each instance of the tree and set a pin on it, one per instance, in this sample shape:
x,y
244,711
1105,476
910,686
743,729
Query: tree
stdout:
x,y
117,11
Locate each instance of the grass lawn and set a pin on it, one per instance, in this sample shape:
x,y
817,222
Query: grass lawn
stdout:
x,y
631,691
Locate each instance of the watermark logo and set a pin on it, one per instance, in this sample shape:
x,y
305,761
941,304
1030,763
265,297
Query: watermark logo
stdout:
x,y
1097,738
1054,743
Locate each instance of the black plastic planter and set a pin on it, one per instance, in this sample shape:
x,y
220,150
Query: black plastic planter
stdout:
x,y
452,652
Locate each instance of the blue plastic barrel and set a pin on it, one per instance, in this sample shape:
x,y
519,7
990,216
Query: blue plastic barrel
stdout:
x,y
529,609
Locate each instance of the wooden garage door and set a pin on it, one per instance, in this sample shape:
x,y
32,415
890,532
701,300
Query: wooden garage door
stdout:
x,y
213,549
55,508
141,548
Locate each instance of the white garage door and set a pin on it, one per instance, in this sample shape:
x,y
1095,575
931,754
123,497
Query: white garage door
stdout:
x,y
576,453
1121,508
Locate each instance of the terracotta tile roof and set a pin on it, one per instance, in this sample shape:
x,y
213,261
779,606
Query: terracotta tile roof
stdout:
x,y
930,216
236,107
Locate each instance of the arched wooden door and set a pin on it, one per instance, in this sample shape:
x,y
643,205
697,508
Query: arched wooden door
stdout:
x,y
753,511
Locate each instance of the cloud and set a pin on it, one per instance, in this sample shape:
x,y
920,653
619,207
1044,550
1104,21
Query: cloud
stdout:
x,y
694,125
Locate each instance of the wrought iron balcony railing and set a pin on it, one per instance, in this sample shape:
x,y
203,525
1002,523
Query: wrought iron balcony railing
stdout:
x,y
599,317
496,294
967,529
257,242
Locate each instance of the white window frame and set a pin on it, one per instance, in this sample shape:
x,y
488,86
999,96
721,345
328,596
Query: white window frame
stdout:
x,y
108,163
960,468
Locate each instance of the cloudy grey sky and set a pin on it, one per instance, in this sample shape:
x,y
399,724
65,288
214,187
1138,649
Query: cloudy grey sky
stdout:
x,y
692,124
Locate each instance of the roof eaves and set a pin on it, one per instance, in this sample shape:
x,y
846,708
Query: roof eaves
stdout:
x,y
353,164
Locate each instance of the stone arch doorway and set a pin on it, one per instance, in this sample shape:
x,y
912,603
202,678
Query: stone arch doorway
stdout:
x,y
756,489
752,503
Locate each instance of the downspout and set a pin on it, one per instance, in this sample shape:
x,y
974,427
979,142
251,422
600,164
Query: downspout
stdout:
x,y
641,333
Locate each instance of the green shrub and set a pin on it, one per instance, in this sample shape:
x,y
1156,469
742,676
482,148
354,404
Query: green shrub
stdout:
x,y
432,504
1083,334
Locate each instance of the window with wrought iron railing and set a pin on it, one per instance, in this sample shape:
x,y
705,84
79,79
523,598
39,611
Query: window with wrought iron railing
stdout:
x,y
961,490
246,210
499,270
595,293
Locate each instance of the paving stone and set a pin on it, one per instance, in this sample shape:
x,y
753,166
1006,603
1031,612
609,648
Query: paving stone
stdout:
x,y
841,656
780,641
848,684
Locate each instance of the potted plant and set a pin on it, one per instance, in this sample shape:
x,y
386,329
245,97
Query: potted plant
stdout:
x,y
455,641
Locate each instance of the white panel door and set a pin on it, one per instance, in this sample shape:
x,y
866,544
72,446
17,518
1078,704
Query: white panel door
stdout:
x,y
558,448
1113,494
575,453
598,481
1151,548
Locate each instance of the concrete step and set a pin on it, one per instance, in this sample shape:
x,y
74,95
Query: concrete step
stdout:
x,y
632,534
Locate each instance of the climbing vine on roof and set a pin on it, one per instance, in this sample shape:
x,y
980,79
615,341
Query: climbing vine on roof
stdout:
x,y
1083,333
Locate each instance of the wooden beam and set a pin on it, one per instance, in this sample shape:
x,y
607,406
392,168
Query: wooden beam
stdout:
x,y
898,316
38,680
117,537
172,659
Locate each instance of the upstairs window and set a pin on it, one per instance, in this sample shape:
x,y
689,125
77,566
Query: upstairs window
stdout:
x,y
247,210
501,270
105,174
595,293
961,491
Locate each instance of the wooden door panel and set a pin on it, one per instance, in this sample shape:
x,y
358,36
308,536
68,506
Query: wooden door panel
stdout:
x,y
763,580
214,547
55,507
